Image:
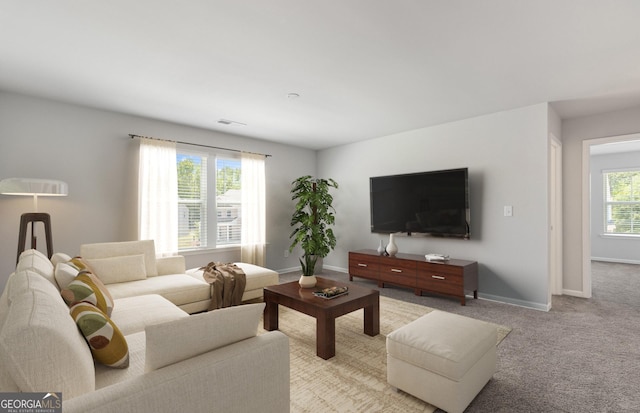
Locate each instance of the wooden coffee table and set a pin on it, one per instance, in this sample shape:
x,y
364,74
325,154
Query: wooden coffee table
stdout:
x,y
325,311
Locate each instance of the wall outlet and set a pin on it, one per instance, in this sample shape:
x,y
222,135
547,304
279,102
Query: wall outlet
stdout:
x,y
508,211
286,253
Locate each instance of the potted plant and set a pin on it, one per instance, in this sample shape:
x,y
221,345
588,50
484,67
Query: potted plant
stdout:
x,y
311,220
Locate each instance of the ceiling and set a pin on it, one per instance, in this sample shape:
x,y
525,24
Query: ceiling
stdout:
x,y
362,68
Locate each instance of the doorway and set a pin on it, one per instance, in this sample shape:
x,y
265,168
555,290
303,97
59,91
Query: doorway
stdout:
x,y
611,144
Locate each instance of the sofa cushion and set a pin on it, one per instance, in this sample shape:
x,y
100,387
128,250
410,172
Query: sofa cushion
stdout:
x,y
26,280
113,270
118,249
166,342
105,339
258,277
36,261
20,282
174,264
133,314
86,287
41,349
178,288
4,302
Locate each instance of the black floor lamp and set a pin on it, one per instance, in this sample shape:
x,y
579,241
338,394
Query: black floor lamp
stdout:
x,y
35,188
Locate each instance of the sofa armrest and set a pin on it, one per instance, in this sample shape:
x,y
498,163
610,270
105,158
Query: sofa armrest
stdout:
x,y
171,265
247,376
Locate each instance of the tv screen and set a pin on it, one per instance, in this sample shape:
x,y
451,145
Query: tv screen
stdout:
x,y
429,203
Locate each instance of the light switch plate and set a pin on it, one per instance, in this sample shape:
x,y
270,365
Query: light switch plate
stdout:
x,y
508,211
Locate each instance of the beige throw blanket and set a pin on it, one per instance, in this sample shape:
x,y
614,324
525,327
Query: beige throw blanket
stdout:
x,y
227,284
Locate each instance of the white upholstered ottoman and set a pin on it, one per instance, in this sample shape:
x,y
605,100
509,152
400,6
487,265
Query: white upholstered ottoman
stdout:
x,y
442,358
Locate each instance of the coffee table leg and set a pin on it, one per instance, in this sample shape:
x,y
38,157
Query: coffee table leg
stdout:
x,y
325,337
270,316
372,319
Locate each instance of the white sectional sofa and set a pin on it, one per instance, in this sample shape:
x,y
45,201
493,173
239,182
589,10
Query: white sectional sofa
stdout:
x,y
143,273
211,362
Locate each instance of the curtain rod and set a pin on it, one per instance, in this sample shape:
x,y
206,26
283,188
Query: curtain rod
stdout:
x,y
198,144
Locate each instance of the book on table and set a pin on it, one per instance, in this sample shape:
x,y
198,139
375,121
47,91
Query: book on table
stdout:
x,y
331,292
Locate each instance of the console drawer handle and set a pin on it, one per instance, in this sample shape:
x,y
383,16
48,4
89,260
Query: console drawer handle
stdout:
x,y
438,277
394,270
362,265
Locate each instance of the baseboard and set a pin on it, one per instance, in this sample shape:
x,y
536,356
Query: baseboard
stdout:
x,y
328,267
574,293
514,301
615,260
336,269
288,270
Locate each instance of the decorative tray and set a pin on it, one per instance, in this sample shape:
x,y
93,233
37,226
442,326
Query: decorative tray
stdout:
x,y
332,292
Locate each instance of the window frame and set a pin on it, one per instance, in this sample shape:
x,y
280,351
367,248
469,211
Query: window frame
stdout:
x,y
224,156
211,219
204,209
606,203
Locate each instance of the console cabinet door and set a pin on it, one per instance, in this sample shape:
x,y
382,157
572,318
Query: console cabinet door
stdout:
x,y
398,271
440,278
364,266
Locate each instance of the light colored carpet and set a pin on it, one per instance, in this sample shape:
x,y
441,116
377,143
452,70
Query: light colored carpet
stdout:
x,y
355,380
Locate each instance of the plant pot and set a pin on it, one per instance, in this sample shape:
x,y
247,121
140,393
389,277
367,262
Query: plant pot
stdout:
x,y
307,281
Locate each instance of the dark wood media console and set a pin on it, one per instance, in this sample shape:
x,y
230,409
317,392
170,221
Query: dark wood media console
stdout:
x,y
452,277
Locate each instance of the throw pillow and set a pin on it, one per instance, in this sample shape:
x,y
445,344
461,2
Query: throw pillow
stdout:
x,y
119,269
118,249
67,271
79,263
64,274
59,257
86,287
108,345
166,342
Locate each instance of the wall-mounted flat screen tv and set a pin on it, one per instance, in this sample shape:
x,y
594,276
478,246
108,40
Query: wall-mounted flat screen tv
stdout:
x,y
432,203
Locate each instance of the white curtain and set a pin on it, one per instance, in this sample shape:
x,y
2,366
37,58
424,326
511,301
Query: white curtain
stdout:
x,y
158,195
253,209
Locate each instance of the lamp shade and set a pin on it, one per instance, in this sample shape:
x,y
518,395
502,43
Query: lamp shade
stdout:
x,y
31,187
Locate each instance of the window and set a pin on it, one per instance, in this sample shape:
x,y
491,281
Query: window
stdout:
x,y
622,202
228,201
192,200
208,200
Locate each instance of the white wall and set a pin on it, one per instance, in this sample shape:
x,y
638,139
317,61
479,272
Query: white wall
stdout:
x,y
555,123
609,248
506,154
574,132
91,150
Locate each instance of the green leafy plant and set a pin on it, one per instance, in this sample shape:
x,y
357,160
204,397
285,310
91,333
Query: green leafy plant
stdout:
x,y
312,219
